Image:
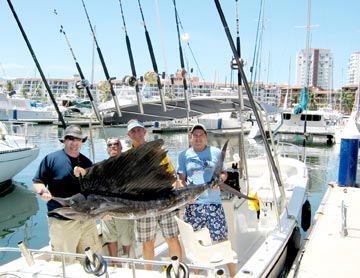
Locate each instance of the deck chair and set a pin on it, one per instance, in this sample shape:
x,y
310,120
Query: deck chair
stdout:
x,y
204,253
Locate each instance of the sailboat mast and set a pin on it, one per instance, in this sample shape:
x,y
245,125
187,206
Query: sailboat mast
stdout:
x,y
307,49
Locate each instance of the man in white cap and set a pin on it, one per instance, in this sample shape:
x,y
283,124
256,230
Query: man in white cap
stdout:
x,y
196,165
145,228
55,177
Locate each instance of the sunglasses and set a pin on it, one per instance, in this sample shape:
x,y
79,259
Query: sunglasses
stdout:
x,y
72,138
112,145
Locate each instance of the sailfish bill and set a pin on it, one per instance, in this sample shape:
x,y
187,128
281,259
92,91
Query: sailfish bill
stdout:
x,y
134,185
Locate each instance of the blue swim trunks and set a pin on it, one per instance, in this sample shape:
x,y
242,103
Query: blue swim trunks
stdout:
x,y
211,216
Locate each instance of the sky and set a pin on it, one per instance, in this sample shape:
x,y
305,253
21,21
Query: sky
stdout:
x,y
334,25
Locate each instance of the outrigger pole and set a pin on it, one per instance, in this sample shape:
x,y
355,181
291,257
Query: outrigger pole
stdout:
x,y
83,83
153,60
37,64
183,71
132,63
107,76
250,97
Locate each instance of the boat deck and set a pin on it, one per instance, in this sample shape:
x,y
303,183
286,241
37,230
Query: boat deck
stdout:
x,y
332,247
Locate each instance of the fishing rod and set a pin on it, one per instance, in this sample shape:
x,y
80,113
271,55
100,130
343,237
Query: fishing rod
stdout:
x,y
242,163
250,97
37,64
132,63
151,51
183,71
83,83
107,76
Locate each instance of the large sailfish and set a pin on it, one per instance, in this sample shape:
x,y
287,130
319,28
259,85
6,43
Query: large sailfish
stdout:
x,y
133,185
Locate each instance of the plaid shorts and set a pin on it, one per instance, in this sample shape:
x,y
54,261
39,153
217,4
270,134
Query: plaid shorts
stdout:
x,y
146,228
211,216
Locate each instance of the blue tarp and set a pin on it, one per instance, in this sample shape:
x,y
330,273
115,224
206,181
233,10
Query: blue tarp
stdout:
x,y
303,102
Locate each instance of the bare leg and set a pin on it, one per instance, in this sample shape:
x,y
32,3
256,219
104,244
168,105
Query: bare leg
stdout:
x,y
126,250
113,250
232,269
174,247
148,252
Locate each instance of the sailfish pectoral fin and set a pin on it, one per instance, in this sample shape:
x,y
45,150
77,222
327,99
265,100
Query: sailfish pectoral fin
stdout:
x,y
229,189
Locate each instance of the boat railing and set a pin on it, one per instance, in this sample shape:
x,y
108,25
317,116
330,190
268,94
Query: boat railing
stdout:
x,y
285,149
97,264
281,149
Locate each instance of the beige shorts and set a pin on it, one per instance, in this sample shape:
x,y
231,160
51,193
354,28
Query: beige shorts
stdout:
x,y
121,230
73,236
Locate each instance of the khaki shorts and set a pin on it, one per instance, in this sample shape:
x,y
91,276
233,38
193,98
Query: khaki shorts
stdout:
x,y
73,236
121,230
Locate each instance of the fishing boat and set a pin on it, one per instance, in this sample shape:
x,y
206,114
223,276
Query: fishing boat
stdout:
x,y
264,230
24,110
15,154
226,122
316,126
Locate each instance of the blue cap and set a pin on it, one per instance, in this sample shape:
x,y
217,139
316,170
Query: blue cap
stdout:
x,y
134,124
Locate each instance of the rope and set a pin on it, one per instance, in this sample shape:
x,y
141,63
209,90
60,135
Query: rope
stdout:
x,y
99,267
182,269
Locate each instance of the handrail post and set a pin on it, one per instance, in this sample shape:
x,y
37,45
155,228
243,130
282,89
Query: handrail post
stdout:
x,y
343,219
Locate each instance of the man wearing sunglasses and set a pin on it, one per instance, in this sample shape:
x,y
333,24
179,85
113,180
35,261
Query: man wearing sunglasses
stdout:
x,y
116,230
55,177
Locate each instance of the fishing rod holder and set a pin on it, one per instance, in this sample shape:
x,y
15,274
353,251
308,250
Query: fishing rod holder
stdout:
x,y
26,253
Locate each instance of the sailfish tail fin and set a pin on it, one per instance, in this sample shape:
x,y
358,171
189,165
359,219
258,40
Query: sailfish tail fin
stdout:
x,y
219,166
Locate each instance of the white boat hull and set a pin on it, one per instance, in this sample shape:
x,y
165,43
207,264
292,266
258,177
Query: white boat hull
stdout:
x,y
15,161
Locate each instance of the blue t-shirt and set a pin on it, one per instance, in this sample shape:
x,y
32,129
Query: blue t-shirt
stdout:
x,y
56,171
199,167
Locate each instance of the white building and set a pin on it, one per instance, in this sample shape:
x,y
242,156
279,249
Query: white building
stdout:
x,y
320,68
353,72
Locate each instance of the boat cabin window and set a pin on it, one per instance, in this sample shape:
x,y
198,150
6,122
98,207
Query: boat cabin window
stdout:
x,y
309,117
286,116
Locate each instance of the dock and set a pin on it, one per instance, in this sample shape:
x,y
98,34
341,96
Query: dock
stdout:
x,y
332,248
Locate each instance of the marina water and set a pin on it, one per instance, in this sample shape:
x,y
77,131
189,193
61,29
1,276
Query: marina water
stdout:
x,y
322,161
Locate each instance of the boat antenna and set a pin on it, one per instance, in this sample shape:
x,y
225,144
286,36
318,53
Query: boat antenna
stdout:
x,y
153,60
83,83
256,51
37,64
182,64
107,76
250,97
132,63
